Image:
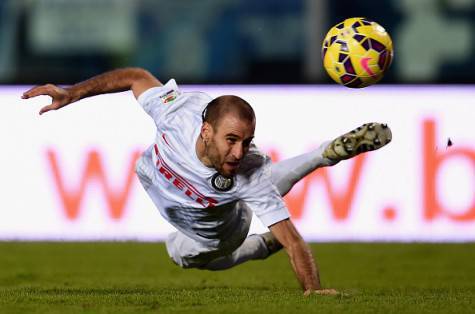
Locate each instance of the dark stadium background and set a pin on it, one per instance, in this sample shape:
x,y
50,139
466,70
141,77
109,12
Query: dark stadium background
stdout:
x,y
230,41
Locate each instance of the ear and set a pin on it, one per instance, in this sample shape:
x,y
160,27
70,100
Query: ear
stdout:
x,y
206,131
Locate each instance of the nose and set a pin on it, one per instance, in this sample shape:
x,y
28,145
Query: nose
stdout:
x,y
237,151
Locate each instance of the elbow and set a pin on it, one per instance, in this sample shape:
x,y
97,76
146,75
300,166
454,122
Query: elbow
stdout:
x,y
140,73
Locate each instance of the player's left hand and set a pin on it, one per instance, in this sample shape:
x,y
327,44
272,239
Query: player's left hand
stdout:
x,y
321,292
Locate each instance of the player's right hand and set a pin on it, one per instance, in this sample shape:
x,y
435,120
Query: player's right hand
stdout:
x,y
60,97
321,292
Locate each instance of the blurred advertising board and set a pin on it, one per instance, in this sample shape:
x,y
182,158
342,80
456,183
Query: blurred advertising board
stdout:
x,y
81,26
69,174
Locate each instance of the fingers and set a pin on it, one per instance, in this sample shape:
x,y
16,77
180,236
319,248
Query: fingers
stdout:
x,y
326,292
321,292
46,109
39,90
49,90
53,106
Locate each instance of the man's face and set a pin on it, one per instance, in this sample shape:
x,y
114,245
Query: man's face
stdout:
x,y
228,144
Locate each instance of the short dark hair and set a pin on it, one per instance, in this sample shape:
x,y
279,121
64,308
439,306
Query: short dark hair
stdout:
x,y
222,105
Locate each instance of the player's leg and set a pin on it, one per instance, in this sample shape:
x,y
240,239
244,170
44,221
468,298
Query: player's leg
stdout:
x,y
246,248
189,253
256,246
236,249
286,173
233,250
367,137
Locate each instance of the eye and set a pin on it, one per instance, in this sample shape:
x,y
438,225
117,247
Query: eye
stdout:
x,y
247,143
231,140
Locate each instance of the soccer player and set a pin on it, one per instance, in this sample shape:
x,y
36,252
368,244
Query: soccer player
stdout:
x,y
206,176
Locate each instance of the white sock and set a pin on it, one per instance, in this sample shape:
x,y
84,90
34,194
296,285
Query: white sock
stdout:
x,y
288,172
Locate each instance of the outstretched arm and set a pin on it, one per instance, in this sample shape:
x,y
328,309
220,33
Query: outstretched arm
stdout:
x,y
300,257
136,79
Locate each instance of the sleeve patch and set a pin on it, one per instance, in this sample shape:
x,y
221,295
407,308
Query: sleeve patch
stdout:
x,y
169,96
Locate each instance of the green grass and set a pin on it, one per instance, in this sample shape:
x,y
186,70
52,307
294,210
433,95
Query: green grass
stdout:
x,y
139,278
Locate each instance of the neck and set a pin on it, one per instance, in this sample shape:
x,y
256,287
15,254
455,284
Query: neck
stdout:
x,y
201,152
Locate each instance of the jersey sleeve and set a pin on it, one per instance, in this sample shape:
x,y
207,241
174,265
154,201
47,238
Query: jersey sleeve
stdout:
x,y
264,199
157,101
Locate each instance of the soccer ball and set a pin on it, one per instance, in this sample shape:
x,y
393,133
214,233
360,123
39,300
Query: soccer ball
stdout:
x,y
357,52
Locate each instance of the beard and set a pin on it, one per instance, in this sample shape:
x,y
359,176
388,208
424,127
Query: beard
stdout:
x,y
218,161
212,153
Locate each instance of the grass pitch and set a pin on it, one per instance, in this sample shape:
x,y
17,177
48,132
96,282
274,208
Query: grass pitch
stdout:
x,y
139,278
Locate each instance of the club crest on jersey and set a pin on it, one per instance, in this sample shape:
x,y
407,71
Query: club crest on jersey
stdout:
x,y
169,96
221,183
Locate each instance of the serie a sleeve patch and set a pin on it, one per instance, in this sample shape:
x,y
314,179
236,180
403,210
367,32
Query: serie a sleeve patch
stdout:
x,y
169,96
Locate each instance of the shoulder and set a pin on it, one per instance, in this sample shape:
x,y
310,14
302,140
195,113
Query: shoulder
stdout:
x,y
196,100
254,162
170,92
169,98
164,93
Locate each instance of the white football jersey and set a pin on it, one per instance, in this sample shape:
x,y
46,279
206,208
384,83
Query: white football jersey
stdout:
x,y
181,186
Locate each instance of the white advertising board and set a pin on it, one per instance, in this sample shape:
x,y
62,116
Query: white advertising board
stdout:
x,y
68,174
